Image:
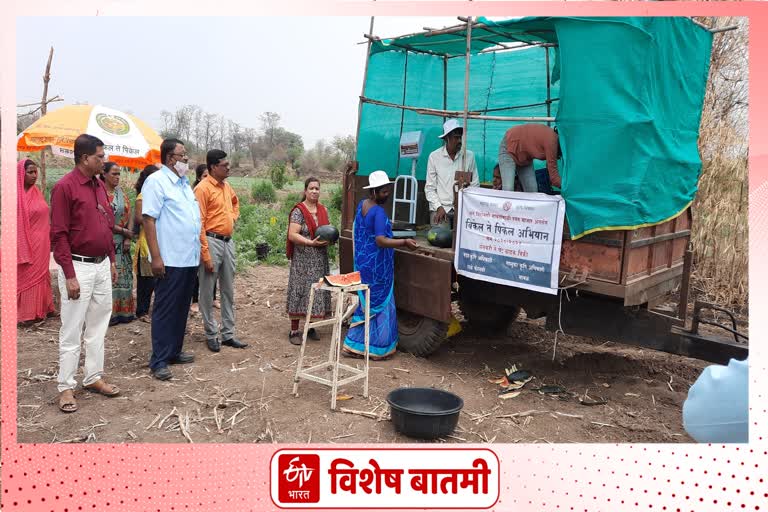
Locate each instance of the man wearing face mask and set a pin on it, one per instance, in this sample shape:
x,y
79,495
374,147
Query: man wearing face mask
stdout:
x,y
172,227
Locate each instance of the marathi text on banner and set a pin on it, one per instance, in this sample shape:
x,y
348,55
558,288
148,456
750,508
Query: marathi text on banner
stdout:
x,y
510,238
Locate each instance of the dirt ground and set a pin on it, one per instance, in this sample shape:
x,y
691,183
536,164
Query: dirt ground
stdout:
x,y
245,395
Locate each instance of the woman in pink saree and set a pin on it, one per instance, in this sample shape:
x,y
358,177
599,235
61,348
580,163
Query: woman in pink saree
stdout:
x,y
33,288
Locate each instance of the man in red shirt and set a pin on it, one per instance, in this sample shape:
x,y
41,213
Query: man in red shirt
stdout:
x,y
81,237
520,146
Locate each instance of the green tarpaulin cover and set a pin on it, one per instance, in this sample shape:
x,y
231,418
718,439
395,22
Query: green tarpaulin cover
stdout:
x,y
627,96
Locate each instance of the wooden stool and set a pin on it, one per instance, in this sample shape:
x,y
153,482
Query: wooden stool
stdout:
x,y
334,352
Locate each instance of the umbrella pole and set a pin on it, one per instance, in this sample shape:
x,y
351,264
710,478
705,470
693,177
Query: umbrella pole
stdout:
x,y
43,111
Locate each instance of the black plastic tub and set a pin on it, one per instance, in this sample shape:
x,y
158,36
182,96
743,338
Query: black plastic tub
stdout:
x,y
424,413
262,251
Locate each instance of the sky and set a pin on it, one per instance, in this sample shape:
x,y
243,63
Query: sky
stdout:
x,y
307,69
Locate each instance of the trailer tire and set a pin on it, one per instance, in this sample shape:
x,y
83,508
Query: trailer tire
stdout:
x,y
489,317
419,335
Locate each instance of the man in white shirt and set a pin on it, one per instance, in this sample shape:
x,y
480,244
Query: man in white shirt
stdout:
x,y
441,169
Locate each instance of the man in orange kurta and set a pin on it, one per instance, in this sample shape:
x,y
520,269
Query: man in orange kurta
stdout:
x,y
219,209
520,146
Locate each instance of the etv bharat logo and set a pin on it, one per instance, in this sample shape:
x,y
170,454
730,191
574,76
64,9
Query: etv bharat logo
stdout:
x,y
298,478
113,124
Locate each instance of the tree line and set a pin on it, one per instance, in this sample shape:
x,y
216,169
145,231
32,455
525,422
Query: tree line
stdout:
x,y
269,143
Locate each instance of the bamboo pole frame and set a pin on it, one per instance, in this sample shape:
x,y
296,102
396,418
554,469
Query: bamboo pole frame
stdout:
x,y
347,183
408,47
466,96
476,25
714,30
549,98
458,113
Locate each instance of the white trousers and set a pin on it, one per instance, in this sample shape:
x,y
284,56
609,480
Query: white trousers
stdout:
x,y
91,312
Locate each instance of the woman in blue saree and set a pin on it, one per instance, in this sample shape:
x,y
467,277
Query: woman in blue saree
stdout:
x,y
375,260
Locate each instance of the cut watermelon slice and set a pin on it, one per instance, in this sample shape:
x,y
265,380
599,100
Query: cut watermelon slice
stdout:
x,y
350,279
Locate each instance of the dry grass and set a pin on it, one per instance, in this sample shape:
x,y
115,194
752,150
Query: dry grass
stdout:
x,y
720,229
721,233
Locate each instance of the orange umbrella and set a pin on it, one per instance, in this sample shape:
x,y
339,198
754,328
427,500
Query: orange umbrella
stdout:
x,y
128,141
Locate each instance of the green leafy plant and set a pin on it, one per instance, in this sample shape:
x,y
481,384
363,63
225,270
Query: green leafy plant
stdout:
x,y
263,192
277,174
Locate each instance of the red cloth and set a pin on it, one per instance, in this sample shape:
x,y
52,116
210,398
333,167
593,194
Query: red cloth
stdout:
x,y
322,220
33,283
24,252
81,220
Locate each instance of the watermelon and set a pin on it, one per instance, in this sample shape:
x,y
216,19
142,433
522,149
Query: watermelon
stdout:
x,y
440,237
350,279
328,233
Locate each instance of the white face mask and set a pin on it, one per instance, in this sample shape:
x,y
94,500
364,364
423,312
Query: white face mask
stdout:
x,y
181,167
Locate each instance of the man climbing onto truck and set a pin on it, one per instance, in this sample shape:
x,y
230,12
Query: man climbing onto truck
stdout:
x,y
520,146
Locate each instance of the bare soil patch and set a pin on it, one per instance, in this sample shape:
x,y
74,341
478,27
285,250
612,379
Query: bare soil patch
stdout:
x,y
245,395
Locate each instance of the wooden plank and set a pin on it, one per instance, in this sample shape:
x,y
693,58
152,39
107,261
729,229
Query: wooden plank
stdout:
x,y
600,287
346,257
598,261
625,252
423,285
637,264
648,288
641,242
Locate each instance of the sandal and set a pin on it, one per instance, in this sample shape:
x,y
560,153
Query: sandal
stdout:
x,y
67,402
103,388
352,355
295,337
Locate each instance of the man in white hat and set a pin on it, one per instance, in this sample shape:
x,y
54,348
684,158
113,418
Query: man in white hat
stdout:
x,y
442,166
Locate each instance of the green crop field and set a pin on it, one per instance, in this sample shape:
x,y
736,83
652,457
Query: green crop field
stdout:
x,y
259,223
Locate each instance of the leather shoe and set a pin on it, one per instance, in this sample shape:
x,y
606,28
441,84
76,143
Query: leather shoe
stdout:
x,y
162,373
183,358
312,334
235,343
214,345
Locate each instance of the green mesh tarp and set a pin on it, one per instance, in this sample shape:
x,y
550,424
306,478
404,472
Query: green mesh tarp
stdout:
x,y
627,95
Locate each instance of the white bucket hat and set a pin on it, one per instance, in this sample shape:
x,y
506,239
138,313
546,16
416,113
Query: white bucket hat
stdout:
x,y
449,126
378,179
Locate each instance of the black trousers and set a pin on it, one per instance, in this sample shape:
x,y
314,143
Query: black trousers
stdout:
x,y
144,288
173,296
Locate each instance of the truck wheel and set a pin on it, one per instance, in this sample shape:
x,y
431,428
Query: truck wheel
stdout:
x,y
487,316
419,335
